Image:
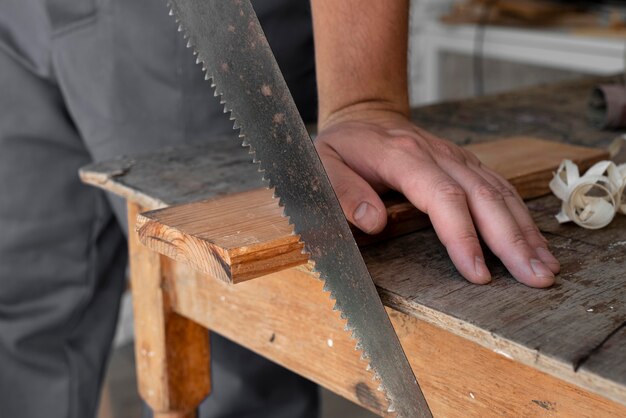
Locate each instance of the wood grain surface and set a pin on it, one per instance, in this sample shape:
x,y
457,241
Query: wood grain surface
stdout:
x,y
235,238
288,318
171,352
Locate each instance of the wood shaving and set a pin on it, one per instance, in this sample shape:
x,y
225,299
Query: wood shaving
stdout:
x,y
591,200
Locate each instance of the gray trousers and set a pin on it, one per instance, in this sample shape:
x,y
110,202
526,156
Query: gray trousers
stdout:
x,y
85,80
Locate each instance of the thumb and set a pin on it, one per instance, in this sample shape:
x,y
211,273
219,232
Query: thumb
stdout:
x,y
359,201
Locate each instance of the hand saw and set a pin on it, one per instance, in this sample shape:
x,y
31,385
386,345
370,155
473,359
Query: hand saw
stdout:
x,y
229,43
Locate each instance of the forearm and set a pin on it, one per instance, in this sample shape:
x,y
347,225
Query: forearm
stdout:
x,y
361,57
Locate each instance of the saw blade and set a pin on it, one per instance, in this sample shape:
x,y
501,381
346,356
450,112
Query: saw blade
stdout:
x,y
229,43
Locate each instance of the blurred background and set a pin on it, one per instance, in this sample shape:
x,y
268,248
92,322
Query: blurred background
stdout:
x,y
458,49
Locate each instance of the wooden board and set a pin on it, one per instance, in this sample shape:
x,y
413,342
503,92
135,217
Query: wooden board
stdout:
x,y
177,175
171,351
529,163
243,236
235,238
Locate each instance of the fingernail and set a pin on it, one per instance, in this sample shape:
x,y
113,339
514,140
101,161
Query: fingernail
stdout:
x,y
540,269
546,256
366,217
481,269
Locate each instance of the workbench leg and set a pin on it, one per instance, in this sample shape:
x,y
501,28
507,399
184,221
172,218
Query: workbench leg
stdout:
x,y
171,352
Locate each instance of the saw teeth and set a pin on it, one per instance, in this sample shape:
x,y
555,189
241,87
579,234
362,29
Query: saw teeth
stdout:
x,y
236,126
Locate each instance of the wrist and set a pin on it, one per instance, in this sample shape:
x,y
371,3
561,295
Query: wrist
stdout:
x,y
376,111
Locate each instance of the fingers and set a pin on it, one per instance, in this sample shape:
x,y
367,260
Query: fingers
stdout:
x,y
359,201
519,210
499,227
453,224
434,192
460,196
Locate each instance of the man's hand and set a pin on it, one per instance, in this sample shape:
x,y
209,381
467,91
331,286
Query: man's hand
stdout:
x,y
368,145
461,196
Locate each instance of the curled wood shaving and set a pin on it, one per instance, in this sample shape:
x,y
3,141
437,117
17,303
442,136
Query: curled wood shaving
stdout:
x,y
591,200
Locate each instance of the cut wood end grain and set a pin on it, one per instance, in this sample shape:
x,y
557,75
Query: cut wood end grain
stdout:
x,y
243,236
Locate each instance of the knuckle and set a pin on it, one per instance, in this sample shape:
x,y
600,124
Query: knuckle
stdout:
x,y
403,143
529,230
488,193
506,192
448,150
467,237
518,240
449,191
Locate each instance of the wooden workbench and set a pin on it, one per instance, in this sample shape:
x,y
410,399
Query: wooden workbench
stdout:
x,y
494,350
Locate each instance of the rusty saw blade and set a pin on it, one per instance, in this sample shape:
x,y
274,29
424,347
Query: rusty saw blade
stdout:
x,y
229,43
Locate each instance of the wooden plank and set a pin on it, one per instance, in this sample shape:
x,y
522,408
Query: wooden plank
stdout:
x,y
288,318
608,357
551,111
177,175
243,236
235,238
529,163
171,352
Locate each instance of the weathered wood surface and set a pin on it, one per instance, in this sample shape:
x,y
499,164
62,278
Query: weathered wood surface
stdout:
x,y
555,111
533,325
244,235
557,330
177,175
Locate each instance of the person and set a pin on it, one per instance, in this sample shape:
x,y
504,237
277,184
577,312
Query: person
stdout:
x,y
87,80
